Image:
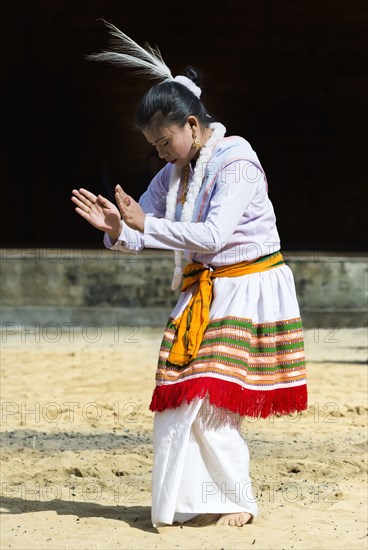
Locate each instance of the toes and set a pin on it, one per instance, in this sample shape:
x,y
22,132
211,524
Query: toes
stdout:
x,y
235,520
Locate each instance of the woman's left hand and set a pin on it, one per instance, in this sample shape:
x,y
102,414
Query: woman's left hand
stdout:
x,y
130,210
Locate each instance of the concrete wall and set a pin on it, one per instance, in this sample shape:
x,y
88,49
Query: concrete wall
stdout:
x,y
86,287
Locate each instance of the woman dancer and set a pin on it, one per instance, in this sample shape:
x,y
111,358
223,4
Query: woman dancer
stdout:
x,y
233,344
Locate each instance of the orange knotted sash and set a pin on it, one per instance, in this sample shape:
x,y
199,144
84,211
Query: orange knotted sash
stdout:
x,y
193,322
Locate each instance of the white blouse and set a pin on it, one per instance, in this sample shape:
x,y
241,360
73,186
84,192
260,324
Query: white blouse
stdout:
x,y
233,220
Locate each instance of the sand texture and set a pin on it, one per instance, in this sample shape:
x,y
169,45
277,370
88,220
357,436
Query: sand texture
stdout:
x,y
77,448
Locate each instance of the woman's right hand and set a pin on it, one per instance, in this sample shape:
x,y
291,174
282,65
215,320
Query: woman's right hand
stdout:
x,y
98,211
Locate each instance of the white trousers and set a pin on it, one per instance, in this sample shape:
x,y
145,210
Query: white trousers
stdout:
x,y
201,464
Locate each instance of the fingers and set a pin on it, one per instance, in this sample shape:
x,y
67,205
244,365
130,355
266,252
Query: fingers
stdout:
x,y
122,202
84,200
81,205
103,201
121,197
84,197
88,195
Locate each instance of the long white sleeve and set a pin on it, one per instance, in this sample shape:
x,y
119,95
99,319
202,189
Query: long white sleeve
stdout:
x,y
228,205
238,222
129,240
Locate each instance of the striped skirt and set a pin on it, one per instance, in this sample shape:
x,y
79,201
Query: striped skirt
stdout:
x,y
251,360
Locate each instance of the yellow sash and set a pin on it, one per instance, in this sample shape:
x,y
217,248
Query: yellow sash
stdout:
x,y
194,320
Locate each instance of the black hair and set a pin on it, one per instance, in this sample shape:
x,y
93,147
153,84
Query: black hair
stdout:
x,y
171,103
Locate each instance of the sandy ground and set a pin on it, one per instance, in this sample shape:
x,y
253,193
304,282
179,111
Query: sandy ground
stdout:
x,y
77,447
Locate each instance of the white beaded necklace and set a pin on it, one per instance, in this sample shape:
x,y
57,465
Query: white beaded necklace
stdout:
x,y
219,131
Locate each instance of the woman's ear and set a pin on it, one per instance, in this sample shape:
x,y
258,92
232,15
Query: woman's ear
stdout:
x,y
193,122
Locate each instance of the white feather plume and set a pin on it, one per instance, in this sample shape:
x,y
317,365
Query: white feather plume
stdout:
x,y
147,60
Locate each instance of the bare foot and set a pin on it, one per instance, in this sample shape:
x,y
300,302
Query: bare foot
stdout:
x,y
237,520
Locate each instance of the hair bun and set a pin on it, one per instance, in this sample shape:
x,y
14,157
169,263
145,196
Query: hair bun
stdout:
x,y
193,74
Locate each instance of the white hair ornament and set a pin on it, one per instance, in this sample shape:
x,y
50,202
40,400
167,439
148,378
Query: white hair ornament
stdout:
x,y
189,84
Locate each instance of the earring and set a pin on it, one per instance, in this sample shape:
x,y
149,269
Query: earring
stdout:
x,y
196,143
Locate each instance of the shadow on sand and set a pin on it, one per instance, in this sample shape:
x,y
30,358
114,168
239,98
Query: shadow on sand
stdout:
x,y
138,517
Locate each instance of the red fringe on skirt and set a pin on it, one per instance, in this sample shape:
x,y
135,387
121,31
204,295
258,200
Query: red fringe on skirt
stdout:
x,y
230,396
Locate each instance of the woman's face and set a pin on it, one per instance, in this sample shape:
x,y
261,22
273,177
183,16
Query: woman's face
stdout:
x,y
173,143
